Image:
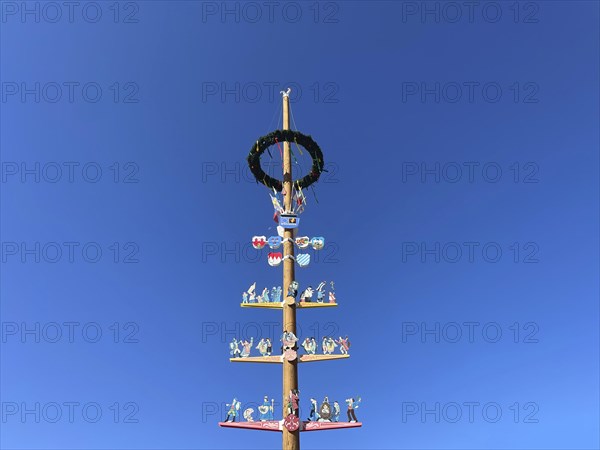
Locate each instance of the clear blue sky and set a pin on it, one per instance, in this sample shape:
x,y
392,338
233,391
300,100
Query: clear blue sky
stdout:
x,y
461,202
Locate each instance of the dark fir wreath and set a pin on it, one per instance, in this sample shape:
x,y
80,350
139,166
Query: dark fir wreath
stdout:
x,y
275,137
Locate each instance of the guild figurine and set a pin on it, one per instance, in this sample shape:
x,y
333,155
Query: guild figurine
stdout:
x,y
332,293
248,414
276,297
269,347
234,349
335,416
314,415
307,294
328,345
291,421
266,409
321,292
288,348
251,293
310,345
233,408
325,411
295,396
276,294
352,405
293,289
344,345
289,340
247,347
265,295
262,347
244,297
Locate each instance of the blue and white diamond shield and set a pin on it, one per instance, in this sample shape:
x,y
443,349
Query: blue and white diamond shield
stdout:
x,y
303,259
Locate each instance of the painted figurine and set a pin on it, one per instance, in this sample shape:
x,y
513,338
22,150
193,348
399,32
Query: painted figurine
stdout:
x,y
289,340
262,347
295,396
248,414
325,411
335,416
293,289
234,349
314,415
352,405
321,292
244,297
331,297
288,404
251,293
276,298
233,408
328,345
307,294
266,409
276,294
344,345
269,347
310,345
247,347
265,295
332,293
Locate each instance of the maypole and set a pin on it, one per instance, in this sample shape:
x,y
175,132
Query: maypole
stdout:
x,y
327,415
291,439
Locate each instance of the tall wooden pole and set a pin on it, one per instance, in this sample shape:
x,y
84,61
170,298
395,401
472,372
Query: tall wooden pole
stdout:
x,y
291,440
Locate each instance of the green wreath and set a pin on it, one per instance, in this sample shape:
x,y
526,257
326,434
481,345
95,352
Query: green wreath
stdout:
x,y
290,136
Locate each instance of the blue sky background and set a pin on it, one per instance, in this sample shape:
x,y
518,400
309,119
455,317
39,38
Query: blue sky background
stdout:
x,y
182,207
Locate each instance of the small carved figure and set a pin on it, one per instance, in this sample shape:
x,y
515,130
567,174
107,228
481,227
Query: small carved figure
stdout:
x,y
293,289
248,414
233,409
344,345
247,347
310,345
307,294
314,415
335,416
234,349
352,405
